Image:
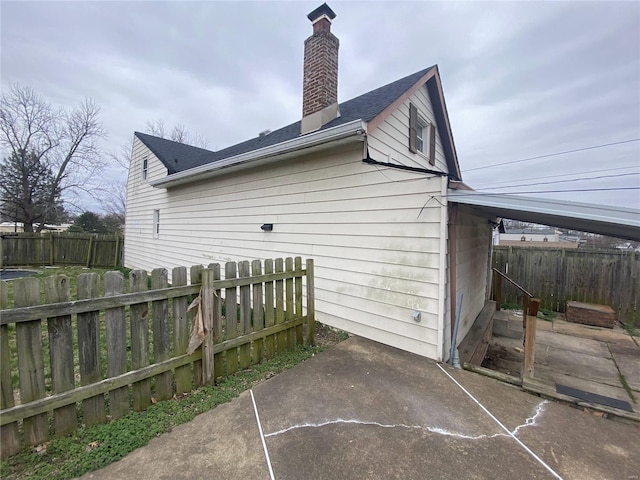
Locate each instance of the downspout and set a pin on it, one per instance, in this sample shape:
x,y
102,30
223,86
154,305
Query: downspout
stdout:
x,y
453,290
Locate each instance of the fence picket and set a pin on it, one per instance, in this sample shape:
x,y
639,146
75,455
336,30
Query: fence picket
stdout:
x,y
139,325
298,309
281,338
161,347
311,308
269,309
116,330
89,349
231,314
195,273
291,333
26,292
245,314
258,311
180,331
61,353
9,436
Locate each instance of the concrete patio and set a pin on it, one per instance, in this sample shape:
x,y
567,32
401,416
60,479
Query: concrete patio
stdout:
x,y
593,359
363,410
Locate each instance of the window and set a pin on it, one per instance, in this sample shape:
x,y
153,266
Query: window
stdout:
x,y
145,168
422,135
156,223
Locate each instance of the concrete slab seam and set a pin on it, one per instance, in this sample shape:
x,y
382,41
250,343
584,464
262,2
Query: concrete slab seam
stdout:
x,y
264,443
511,434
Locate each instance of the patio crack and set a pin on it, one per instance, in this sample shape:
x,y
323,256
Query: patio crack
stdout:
x,y
530,421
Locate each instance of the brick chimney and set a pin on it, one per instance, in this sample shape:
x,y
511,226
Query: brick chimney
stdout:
x,y
320,82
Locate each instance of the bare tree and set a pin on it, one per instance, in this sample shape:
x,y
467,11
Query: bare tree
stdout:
x,y
52,151
178,133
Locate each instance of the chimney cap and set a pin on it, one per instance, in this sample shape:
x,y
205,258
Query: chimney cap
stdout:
x,y
322,10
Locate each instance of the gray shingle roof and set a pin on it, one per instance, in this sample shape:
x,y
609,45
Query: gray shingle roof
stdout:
x,y
178,157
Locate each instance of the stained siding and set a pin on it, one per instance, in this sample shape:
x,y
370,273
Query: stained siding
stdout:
x,y
473,247
373,233
389,142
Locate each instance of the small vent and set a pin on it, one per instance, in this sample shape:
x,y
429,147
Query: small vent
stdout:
x,y
264,133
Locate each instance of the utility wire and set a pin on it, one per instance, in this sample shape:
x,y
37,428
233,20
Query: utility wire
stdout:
x,y
566,174
487,192
552,154
562,181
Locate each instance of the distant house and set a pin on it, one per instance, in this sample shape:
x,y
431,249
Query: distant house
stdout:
x,y
536,237
360,186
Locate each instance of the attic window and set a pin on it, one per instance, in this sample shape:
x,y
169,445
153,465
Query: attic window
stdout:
x,y
422,135
145,168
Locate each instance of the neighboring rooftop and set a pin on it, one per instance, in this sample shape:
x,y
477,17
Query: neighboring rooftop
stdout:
x,y
178,157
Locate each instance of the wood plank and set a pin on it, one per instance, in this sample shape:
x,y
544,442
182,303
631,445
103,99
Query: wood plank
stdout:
x,y
89,350
116,333
298,300
218,361
529,346
258,311
56,289
289,313
231,315
195,274
281,339
139,325
180,331
311,309
25,314
245,314
206,305
26,291
161,345
108,384
503,377
9,435
269,310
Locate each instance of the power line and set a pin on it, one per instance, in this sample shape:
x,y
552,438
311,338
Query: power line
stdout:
x,y
486,192
567,174
564,181
553,154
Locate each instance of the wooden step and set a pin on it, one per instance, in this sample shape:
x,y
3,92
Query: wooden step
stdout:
x,y
474,346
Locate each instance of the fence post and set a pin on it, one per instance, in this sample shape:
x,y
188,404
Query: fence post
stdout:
x,y
311,308
206,303
529,338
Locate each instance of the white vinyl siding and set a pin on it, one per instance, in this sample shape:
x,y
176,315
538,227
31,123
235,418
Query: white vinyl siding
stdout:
x,y
389,142
374,234
473,247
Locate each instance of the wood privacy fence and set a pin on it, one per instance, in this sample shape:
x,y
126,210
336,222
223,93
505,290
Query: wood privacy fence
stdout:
x,y
49,248
106,353
556,275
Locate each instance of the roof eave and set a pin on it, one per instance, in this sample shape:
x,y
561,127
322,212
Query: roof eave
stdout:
x,y
324,138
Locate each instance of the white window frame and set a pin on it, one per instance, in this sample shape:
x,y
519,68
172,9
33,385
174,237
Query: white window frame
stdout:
x,y
145,168
422,135
156,224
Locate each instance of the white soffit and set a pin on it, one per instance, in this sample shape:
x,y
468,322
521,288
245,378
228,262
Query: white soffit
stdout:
x,y
602,219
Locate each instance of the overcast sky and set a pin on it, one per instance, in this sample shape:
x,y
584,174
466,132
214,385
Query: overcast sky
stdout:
x,y
520,79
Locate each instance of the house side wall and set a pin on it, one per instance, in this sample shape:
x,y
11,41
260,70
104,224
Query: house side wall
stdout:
x,y
374,234
473,247
389,142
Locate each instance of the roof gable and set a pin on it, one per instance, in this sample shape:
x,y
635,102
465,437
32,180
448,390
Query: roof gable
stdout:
x,y
370,107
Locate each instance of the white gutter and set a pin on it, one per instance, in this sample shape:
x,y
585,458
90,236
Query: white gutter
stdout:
x,y
355,128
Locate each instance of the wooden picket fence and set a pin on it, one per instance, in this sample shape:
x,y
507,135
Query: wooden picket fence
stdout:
x,y
60,248
106,367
